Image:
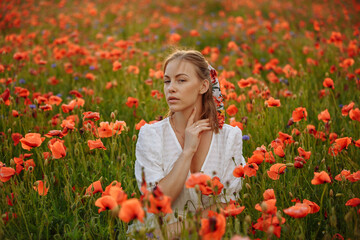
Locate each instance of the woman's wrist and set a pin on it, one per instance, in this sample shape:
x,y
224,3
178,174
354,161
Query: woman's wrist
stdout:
x,y
188,153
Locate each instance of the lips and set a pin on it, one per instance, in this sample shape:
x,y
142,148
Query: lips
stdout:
x,y
172,98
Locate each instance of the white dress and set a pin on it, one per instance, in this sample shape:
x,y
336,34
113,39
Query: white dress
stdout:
x,y
157,150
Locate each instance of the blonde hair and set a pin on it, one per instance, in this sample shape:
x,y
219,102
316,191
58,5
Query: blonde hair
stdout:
x,y
203,72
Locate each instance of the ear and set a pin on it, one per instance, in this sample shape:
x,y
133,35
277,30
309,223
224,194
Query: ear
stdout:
x,y
204,86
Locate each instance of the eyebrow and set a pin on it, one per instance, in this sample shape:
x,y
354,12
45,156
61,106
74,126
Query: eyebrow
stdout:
x,y
177,75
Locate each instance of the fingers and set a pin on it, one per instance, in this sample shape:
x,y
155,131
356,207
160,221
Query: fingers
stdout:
x,y
191,118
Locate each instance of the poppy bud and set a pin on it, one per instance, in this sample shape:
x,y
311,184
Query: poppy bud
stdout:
x,y
348,216
289,164
46,162
1,183
333,221
279,215
9,130
331,193
12,162
291,195
323,160
263,206
248,219
36,101
112,115
1,101
115,211
88,125
270,230
134,137
339,195
248,186
14,123
246,195
123,157
296,143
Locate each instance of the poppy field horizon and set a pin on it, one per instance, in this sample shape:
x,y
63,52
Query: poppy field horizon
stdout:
x,y
78,79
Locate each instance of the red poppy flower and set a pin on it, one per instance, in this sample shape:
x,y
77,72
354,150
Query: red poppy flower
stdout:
x,y
57,148
342,175
357,143
300,210
213,227
116,66
200,179
276,170
256,158
346,108
111,185
55,100
105,130
354,177
353,202
279,151
106,203
250,169
95,187
232,110
31,140
304,154
131,209
140,124
239,171
232,209
93,144
216,185
131,102
16,138
271,102
40,187
299,113
53,133
269,194
324,116
159,202
354,114
285,138
29,165
328,83
90,76
267,206
91,115
320,178
314,208
6,173
15,113
266,221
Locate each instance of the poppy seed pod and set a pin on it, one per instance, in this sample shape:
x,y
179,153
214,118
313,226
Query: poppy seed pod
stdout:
x,y
248,219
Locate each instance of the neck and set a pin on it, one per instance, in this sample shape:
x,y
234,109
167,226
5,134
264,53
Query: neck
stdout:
x,y
180,119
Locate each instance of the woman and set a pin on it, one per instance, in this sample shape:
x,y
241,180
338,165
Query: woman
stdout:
x,y
192,138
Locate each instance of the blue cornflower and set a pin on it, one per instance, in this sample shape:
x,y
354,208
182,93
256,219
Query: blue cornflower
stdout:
x,y
245,138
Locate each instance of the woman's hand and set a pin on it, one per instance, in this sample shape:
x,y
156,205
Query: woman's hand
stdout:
x,y
193,132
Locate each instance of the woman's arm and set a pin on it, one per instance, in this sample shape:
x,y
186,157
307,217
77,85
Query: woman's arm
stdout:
x,y
173,183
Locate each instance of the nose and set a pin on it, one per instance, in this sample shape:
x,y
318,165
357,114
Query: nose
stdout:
x,y
171,87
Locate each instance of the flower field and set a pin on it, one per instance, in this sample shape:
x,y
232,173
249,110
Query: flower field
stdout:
x,y
78,79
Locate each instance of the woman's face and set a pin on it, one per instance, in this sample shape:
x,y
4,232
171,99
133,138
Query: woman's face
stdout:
x,y
182,87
